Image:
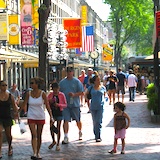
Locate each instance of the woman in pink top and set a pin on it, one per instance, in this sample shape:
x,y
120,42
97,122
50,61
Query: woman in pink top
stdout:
x,y
57,101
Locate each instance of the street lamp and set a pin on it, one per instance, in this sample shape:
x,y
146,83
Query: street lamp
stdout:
x,y
156,50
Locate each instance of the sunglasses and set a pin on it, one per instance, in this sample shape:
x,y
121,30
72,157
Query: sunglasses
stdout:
x,y
70,71
4,85
32,83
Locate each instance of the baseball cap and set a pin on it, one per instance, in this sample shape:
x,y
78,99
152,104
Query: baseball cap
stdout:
x,y
130,71
70,69
90,69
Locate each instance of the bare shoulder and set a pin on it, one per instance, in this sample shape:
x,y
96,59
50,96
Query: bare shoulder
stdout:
x,y
125,114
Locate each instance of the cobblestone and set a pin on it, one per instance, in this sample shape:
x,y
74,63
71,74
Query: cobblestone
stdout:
x,y
142,138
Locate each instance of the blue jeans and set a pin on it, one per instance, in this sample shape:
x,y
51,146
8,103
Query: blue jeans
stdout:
x,y
97,116
132,93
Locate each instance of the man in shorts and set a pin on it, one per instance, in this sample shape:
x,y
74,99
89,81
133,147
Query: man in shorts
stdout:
x,y
121,84
73,89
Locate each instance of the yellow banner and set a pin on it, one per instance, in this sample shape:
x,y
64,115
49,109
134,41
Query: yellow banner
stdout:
x,y
107,54
14,31
35,15
84,15
2,4
3,26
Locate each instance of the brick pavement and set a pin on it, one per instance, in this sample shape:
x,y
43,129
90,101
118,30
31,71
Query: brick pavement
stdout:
x,y
142,138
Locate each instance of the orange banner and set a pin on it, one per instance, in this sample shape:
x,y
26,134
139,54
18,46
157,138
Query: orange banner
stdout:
x,y
74,36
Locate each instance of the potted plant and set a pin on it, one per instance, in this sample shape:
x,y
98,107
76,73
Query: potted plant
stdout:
x,y
153,102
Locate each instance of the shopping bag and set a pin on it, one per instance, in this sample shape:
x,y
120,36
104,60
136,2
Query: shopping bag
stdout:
x,y
22,127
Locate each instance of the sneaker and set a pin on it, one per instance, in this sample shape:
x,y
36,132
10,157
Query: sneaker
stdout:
x,y
112,151
57,148
80,135
65,141
122,152
98,140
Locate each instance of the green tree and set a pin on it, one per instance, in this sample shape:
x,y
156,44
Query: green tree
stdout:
x,y
132,22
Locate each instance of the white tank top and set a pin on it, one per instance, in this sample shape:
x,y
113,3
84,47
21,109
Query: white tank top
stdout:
x,y
36,108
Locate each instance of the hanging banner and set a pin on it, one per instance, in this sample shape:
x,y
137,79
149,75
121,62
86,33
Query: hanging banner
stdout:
x,y
2,4
3,26
74,36
26,12
14,31
158,24
26,35
35,15
84,15
107,54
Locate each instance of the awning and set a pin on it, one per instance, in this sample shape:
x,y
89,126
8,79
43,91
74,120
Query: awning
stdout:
x,y
152,56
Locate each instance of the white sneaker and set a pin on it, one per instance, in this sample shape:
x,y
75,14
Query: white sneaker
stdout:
x,y
65,141
57,148
80,135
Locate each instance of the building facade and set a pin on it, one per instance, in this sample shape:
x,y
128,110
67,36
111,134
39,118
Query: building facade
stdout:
x,y
18,63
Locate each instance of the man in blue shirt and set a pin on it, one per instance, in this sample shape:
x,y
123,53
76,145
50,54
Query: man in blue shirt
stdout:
x,y
73,89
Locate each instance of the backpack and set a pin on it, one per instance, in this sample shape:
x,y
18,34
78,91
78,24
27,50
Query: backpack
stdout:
x,y
89,94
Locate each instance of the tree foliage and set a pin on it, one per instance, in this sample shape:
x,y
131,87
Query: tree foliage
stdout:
x,y
132,22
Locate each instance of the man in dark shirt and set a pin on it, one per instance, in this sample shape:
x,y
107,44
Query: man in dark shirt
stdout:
x,y
121,83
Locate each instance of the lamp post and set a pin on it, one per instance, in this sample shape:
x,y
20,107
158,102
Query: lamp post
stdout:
x,y
156,50
57,44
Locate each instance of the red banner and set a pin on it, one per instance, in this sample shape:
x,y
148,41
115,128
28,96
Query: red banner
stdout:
x,y
74,36
26,35
157,23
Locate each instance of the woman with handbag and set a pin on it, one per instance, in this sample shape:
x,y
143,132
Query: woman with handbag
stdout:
x,y
57,101
36,98
97,92
6,101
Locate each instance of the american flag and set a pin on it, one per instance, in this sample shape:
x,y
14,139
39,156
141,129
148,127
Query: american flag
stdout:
x,y
87,39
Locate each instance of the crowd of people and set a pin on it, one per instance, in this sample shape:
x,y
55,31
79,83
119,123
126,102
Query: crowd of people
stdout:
x,y
63,104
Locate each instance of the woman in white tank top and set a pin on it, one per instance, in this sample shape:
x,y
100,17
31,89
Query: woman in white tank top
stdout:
x,y
36,115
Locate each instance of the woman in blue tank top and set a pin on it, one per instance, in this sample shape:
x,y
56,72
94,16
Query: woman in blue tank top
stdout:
x,y
98,92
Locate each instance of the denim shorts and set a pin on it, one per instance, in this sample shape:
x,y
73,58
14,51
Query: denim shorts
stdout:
x,y
58,118
72,114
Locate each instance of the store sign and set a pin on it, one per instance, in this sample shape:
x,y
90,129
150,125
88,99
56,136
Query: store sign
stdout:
x,y
107,54
30,65
26,35
3,26
74,36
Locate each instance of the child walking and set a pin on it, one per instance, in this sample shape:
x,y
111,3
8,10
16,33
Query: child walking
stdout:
x,y
120,126
57,101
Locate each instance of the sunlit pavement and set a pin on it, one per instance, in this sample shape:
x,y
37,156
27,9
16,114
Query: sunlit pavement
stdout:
x,y
142,138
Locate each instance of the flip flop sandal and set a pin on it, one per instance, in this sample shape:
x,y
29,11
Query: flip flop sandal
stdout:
x,y
51,145
10,152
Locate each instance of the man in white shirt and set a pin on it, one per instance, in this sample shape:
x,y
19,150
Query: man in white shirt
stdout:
x,y
132,83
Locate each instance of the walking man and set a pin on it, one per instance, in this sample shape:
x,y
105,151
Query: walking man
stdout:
x,y
73,89
132,84
121,84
